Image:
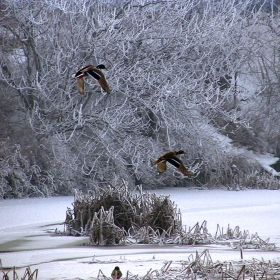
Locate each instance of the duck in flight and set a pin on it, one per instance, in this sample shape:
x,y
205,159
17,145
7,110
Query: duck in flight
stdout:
x,y
172,158
93,71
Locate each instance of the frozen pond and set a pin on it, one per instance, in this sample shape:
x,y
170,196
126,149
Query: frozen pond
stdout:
x,y
27,239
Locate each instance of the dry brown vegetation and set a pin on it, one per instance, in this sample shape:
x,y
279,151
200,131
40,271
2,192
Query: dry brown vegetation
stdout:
x,y
11,273
197,266
117,215
201,266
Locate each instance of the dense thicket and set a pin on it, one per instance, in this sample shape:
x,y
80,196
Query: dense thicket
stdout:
x,y
179,73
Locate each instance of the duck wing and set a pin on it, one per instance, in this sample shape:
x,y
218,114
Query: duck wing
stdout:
x,y
161,167
99,76
81,85
176,162
93,72
185,171
79,75
82,71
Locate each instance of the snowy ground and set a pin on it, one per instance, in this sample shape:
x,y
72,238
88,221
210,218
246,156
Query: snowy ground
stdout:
x,y
27,239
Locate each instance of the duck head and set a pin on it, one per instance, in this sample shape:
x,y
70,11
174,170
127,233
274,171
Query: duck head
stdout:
x,y
101,66
180,152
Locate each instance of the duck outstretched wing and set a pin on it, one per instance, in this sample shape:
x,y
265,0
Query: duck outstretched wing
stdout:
x,y
161,167
176,162
99,76
94,72
81,85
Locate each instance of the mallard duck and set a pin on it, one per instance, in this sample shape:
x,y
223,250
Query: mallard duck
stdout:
x,y
93,71
172,158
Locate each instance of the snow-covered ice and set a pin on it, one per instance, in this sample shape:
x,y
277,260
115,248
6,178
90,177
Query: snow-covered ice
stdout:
x,y
27,239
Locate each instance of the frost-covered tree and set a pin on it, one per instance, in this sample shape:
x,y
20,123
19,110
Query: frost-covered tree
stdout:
x,y
264,70
172,68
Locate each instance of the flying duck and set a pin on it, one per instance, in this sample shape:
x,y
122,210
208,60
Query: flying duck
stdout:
x,y
93,71
172,158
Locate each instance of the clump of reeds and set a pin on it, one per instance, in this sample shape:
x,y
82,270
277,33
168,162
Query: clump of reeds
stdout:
x,y
117,215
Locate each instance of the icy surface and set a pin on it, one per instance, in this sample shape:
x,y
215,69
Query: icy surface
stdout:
x,y
27,239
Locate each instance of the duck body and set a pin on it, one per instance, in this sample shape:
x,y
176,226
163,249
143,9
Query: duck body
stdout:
x,y
93,71
172,158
